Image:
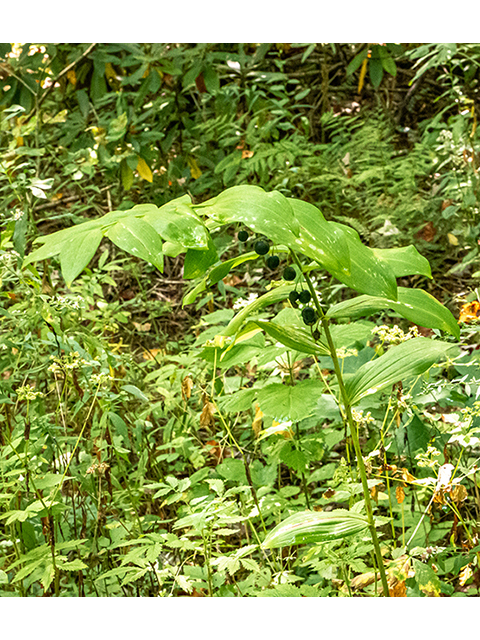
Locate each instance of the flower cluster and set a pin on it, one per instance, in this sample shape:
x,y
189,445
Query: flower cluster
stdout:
x,y
28,393
67,302
241,303
97,468
394,335
346,353
427,458
69,362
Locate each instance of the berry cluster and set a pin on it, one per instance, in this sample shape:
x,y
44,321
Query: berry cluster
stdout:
x,y
262,247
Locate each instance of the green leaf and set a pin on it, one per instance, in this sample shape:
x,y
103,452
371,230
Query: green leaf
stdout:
x,y
357,61
404,261
388,64
176,222
426,578
411,358
138,237
290,402
269,214
376,71
311,526
275,295
294,338
219,272
77,251
368,273
319,239
415,305
198,261
233,470
212,81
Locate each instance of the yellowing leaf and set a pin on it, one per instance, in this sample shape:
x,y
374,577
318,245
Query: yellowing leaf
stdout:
x,y
400,494
194,168
257,421
452,239
152,353
469,312
458,493
142,327
363,73
72,78
187,386
206,418
464,575
144,170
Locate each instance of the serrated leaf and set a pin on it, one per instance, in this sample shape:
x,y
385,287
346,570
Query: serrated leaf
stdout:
x,y
290,402
311,526
138,237
411,358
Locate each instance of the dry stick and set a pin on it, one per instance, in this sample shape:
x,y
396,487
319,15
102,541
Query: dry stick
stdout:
x,y
353,429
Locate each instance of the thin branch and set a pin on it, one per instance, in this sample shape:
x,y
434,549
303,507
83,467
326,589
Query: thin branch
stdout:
x,y
60,75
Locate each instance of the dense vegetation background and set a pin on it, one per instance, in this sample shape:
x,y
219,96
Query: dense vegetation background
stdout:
x,y
126,467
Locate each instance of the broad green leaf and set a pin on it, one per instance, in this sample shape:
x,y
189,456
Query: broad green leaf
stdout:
x,y
404,261
415,305
139,238
198,261
275,295
312,526
270,213
219,272
77,251
376,71
411,358
290,402
319,239
176,222
52,245
368,274
294,338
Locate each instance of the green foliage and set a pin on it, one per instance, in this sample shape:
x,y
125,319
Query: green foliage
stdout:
x,y
156,441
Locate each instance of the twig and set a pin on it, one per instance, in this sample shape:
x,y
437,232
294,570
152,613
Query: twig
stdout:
x,y
60,75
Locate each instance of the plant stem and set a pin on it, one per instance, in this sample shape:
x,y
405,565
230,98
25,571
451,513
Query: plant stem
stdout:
x,y
352,427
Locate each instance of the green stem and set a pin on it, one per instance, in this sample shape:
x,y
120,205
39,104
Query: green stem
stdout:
x,y
352,427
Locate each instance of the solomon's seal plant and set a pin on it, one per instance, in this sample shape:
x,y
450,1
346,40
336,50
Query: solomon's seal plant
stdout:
x,y
313,244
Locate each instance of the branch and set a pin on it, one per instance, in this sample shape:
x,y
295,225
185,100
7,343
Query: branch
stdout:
x,y
60,75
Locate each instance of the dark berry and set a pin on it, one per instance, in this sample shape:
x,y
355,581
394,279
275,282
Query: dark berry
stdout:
x,y
304,297
262,247
316,335
293,297
273,262
289,273
242,236
309,315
